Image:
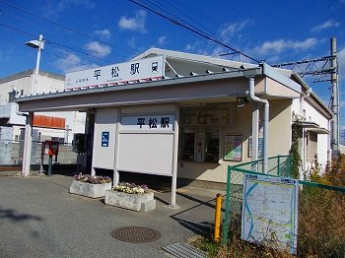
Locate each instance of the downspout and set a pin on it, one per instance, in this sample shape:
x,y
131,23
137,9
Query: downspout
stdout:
x,y
252,96
303,114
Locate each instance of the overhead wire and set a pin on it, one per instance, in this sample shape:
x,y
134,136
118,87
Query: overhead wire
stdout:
x,y
193,30
164,9
59,45
204,16
64,27
48,52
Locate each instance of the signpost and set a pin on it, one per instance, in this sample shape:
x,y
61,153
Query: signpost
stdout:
x,y
269,211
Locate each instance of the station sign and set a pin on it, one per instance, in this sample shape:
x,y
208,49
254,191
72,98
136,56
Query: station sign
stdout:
x,y
142,69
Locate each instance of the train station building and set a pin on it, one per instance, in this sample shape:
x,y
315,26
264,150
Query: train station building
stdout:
x,y
188,116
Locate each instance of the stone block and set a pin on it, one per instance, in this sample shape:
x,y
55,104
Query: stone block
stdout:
x,y
129,201
147,206
89,190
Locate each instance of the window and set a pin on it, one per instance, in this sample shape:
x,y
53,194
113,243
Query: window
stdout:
x,y
188,142
200,144
212,145
58,139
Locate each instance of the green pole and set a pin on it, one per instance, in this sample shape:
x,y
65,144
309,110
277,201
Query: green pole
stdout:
x,y
278,165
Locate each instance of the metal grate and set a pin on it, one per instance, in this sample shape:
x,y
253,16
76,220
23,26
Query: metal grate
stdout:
x,y
183,250
136,234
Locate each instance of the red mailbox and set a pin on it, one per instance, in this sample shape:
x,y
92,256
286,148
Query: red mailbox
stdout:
x,y
51,148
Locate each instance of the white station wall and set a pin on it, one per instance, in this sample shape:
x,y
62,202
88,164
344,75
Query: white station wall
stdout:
x,y
105,122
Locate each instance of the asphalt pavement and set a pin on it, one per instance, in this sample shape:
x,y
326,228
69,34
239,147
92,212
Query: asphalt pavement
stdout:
x,y
39,218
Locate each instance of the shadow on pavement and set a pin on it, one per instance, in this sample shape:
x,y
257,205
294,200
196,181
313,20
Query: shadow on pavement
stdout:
x,y
15,216
199,218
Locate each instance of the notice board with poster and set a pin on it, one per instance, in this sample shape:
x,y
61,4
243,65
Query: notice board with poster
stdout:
x,y
209,115
233,147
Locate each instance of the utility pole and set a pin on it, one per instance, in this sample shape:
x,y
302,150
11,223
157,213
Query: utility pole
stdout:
x,y
326,67
334,99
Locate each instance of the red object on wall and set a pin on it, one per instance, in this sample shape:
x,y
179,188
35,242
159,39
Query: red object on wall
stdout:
x,y
50,148
49,121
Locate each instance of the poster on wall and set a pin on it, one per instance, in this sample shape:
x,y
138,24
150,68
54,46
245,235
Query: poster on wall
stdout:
x,y
260,147
233,147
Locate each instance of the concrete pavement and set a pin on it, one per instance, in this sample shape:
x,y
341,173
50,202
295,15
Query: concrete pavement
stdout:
x,y
39,218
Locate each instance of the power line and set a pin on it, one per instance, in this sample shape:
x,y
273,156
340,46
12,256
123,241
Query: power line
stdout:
x,y
63,26
193,30
59,45
48,52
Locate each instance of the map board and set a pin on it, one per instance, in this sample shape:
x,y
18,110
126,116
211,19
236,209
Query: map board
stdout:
x,y
269,211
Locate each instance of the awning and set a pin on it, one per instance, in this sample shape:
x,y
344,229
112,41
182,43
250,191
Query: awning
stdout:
x,y
314,127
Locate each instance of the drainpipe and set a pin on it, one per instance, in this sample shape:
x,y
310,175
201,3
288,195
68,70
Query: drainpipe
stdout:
x,y
301,112
252,96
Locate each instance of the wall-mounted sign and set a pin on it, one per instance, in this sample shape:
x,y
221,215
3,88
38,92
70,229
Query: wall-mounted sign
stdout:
x,y
260,147
210,115
233,147
152,123
134,70
105,139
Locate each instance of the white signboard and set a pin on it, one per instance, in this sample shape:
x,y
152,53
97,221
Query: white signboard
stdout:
x,y
130,71
153,123
269,211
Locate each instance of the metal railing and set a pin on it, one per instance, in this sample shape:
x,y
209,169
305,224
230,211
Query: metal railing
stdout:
x,y
321,216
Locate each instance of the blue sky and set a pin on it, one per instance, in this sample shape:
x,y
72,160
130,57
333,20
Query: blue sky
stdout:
x,y
87,33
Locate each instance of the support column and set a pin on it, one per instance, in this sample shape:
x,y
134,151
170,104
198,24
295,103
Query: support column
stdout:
x,y
116,174
27,145
175,158
255,131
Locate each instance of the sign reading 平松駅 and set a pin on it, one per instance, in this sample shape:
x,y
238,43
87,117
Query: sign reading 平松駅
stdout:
x,y
269,211
148,68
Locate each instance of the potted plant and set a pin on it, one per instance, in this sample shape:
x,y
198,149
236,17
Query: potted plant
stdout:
x,y
131,196
90,186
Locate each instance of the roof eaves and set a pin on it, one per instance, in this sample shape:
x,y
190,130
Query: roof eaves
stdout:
x,y
145,84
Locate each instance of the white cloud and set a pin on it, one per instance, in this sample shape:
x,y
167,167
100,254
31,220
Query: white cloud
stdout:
x,y
67,3
132,42
326,25
230,29
280,45
136,23
163,40
103,34
97,49
53,8
71,63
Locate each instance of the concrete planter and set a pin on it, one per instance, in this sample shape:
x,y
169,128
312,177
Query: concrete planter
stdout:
x,y
134,202
89,190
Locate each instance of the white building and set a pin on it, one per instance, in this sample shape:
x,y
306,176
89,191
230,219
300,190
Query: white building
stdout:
x,y
189,116
47,125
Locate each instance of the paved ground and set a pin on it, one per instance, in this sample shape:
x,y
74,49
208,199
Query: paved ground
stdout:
x,y
39,218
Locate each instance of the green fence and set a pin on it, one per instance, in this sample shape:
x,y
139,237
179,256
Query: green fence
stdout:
x,y
321,210
279,165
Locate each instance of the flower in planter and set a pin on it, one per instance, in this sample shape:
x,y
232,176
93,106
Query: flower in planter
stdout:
x,y
131,188
92,179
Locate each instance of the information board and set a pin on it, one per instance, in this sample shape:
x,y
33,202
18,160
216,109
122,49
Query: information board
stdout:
x,y
269,211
